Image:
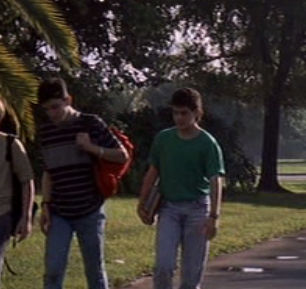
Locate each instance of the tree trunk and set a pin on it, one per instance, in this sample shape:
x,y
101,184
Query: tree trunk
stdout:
x,y
290,41
268,179
272,108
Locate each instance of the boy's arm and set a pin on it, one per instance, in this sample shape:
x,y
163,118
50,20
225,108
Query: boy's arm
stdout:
x,y
46,188
216,199
22,167
24,226
118,155
45,218
147,184
28,194
216,196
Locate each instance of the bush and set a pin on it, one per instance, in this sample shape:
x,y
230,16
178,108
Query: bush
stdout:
x,y
240,172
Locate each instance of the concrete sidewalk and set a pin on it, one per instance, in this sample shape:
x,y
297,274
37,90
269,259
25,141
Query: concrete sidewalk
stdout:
x,y
278,263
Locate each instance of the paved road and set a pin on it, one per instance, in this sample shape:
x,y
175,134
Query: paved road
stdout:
x,y
282,260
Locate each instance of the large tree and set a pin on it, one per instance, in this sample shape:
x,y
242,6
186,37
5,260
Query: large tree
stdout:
x,y
260,45
17,83
275,40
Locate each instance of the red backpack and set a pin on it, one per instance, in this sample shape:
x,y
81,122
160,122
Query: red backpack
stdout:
x,y
108,174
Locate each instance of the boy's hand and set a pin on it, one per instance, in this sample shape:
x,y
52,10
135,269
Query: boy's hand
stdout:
x,y
23,229
84,142
45,219
211,228
143,215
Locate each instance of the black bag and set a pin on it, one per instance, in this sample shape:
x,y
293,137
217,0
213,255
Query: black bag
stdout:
x,y
152,202
16,206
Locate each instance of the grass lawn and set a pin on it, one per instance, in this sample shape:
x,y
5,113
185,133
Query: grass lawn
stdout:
x,y
246,220
290,166
295,186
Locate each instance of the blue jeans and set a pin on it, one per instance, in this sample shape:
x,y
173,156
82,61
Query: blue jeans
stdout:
x,y
90,234
181,223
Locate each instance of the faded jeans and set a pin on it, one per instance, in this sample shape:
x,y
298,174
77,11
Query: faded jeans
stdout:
x,y
5,229
181,223
90,234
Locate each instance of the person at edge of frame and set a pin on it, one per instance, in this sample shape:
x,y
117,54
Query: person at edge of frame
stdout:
x,y
71,203
22,168
189,163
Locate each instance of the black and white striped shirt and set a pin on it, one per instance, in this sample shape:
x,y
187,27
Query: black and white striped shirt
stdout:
x,y
74,192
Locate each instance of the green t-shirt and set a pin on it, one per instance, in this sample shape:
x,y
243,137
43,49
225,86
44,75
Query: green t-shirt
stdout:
x,y
185,166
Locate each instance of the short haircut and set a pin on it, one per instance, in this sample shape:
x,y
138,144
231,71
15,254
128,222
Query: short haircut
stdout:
x,y
53,88
188,97
2,109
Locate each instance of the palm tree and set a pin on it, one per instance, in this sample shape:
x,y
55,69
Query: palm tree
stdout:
x,y
17,84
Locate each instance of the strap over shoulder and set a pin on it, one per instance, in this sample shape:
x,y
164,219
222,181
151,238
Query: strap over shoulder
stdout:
x,y
89,117
88,120
9,141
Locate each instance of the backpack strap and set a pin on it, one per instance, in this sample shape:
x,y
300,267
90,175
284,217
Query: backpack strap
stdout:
x,y
87,121
9,142
8,158
87,118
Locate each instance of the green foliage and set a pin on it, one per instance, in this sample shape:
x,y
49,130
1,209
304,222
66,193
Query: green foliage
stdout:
x,y
141,126
17,84
17,88
240,171
43,16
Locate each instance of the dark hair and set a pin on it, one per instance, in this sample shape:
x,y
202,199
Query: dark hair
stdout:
x,y
52,88
188,97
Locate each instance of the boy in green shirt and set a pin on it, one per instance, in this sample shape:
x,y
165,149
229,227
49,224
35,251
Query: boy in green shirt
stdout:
x,y
189,163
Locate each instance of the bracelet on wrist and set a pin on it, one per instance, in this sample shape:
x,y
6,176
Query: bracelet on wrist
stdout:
x,y
45,203
101,152
214,216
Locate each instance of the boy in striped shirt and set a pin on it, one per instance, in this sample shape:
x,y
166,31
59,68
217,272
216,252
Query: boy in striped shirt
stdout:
x,y
70,142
